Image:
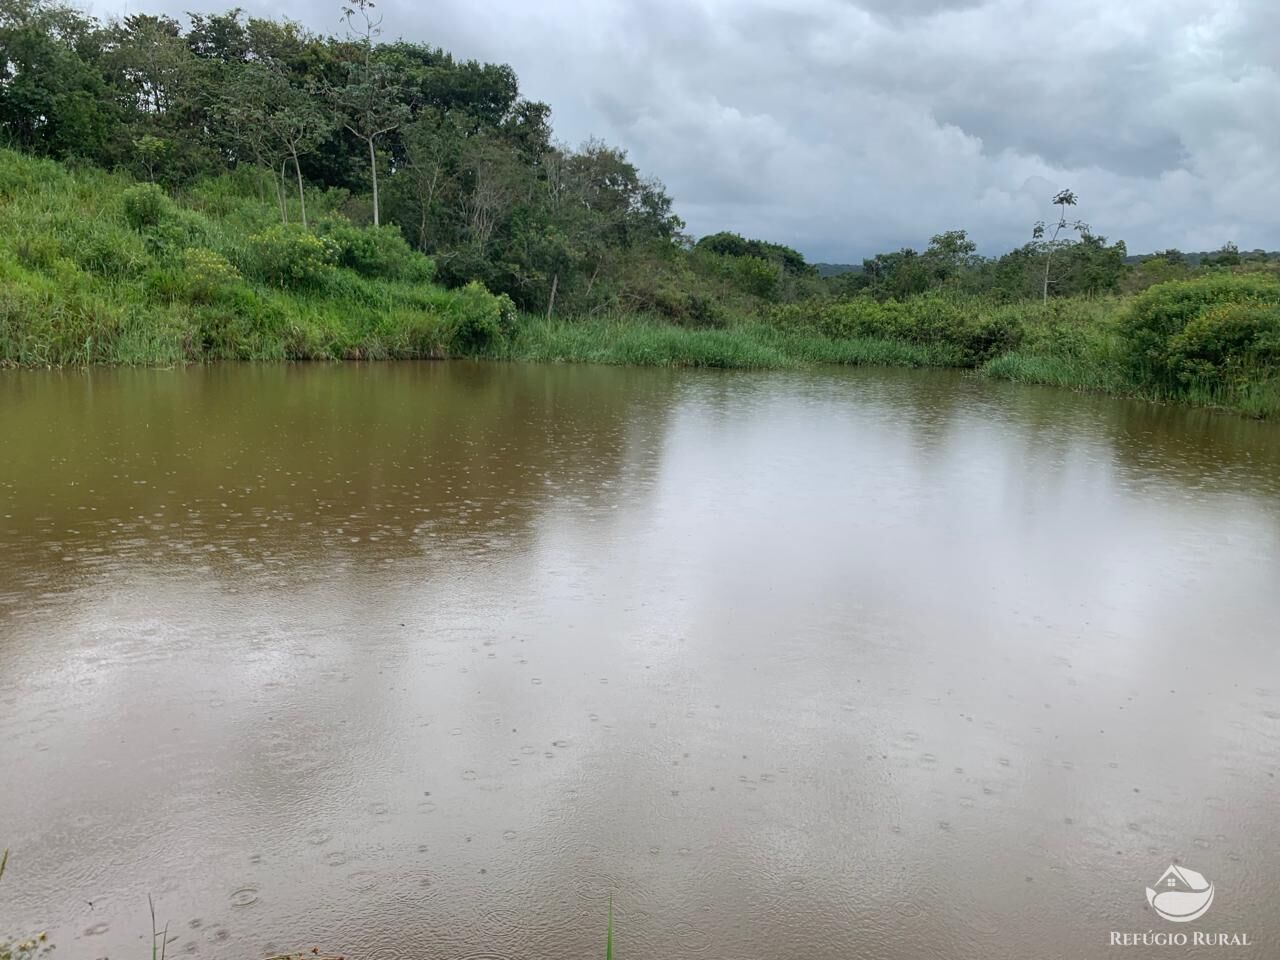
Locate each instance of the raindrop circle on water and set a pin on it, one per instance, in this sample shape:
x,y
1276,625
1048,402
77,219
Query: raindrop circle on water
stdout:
x,y
244,897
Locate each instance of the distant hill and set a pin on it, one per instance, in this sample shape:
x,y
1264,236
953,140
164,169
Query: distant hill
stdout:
x,y
1192,258
1195,257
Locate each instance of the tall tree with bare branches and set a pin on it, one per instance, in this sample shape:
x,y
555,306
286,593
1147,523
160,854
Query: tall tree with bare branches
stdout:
x,y
371,104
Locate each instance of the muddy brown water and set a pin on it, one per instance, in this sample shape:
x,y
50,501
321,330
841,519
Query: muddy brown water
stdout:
x,y
431,660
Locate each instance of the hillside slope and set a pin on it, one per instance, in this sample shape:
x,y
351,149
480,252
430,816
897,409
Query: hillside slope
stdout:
x,y
97,268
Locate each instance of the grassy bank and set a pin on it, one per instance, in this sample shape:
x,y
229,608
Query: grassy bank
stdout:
x,y
98,268
749,345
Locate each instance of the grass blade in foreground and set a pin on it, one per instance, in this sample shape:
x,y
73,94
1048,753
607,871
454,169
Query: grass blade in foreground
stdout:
x,y
608,943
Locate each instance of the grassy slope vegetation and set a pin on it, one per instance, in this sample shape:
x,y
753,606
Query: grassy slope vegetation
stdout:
x,y
1209,341
95,268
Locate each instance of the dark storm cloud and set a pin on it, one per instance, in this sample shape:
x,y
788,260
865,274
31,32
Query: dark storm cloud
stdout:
x,y
849,127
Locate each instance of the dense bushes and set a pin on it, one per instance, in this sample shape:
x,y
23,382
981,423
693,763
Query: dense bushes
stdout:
x,y
377,252
1228,343
145,206
475,320
289,257
976,331
1179,331
97,269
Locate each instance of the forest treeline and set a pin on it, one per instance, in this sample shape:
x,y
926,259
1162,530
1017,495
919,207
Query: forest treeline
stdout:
x,y
451,153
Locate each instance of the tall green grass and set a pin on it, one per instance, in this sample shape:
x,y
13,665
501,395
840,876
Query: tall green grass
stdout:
x,y
95,268
747,346
608,941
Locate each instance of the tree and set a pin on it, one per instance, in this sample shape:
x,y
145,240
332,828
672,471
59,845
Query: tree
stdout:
x,y
151,150
432,145
732,245
53,98
897,275
371,102
497,181
296,122
1062,199
275,121
1092,267
240,116
1228,255
948,255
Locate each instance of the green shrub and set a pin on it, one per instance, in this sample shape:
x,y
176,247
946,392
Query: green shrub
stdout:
x,y
289,257
475,320
146,206
1228,343
758,277
991,334
508,316
1162,312
689,308
164,284
179,230
937,318
206,274
754,275
971,330
377,252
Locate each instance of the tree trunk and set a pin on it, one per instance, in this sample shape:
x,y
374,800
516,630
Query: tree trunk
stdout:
x,y
373,167
551,303
278,180
302,199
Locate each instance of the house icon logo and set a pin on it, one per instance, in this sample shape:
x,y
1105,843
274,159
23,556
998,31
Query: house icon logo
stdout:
x,y
1180,894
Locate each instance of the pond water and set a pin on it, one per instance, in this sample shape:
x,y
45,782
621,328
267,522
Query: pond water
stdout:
x,y
431,660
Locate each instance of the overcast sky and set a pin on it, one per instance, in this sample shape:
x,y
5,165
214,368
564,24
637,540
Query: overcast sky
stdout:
x,y
847,127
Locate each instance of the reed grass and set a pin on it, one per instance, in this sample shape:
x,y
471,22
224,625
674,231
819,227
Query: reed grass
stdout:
x,y
608,942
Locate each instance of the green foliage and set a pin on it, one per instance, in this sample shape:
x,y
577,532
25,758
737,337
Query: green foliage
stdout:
x,y
377,252
22,173
750,275
971,327
289,257
733,245
476,321
79,284
98,245
649,341
1161,353
756,276
1229,343
146,206
206,274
